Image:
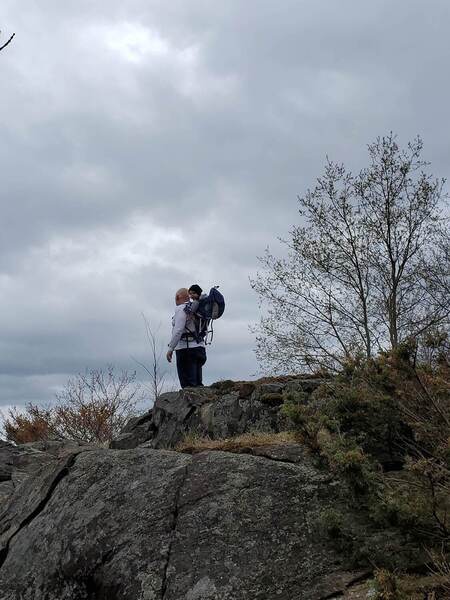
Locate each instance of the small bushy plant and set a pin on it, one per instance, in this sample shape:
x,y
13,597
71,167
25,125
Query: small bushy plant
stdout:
x,y
383,426
386,586
305,419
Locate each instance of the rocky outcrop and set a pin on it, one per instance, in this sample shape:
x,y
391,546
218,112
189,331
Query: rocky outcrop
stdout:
x,y
158,525
141,521
223,410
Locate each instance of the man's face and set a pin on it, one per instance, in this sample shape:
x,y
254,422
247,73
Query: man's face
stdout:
x,y
193,295
181,299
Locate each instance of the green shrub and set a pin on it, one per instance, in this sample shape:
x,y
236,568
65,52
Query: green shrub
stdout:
x,y
383,427
346,459
386,586
320,429
331,523
306,421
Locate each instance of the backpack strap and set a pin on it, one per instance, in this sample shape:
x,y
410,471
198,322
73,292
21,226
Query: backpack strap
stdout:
x,y
190,335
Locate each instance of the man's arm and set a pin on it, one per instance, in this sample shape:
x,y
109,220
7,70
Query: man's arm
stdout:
x,y
177,331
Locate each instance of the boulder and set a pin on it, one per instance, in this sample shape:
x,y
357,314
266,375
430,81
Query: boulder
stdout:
x,y
159,525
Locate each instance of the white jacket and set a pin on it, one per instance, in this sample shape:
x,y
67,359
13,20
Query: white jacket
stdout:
x,y
178,328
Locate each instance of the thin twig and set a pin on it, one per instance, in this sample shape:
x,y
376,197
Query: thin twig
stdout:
x,y
8,42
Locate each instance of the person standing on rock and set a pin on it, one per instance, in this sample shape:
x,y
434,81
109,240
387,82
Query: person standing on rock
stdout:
x,y
190,351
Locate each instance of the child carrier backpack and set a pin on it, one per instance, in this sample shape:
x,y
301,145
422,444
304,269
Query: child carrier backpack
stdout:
x,y
201,314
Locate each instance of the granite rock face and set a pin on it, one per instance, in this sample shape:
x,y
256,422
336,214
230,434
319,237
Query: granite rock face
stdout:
x,y
140,521
17,463
223,410
159,525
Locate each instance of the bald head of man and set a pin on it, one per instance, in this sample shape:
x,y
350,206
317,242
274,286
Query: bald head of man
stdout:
x,y
181,296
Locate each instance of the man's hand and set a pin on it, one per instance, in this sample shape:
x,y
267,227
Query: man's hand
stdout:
x,y
169,355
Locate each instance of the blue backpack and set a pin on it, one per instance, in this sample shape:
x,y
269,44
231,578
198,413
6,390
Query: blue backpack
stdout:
x,y
203,312
211,307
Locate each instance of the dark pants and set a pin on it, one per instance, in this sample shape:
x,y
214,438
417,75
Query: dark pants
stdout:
x,y
189,366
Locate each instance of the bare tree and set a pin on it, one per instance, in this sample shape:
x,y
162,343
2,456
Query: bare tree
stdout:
x,y
367,269
155,371
95,406
7,42
401,211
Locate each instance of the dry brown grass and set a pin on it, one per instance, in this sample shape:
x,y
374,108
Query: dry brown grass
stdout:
x,y
193,443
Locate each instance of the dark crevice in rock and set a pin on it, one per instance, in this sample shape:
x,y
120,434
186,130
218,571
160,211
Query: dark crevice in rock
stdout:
x,y
359,579
190,412
213,493
95,588
337,594
59,476
196,500
106,558
173,527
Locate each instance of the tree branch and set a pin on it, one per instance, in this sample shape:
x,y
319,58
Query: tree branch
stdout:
x,y
8,42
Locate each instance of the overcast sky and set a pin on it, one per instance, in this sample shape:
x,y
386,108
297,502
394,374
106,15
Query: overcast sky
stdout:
x,y
146,145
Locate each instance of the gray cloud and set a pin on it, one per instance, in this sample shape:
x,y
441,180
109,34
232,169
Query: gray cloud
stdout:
x,y
146,145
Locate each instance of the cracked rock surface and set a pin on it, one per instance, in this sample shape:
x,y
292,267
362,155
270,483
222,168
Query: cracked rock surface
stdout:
x,y
18,462
153,524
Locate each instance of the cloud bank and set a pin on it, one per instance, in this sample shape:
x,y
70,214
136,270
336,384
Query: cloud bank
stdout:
x,y
148,145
